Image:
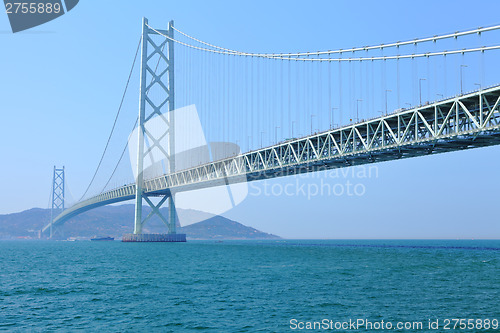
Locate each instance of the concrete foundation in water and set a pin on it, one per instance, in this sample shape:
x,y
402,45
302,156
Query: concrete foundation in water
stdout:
x,y
154,238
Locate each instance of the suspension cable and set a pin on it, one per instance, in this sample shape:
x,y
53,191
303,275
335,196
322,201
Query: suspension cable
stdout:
x,y
205,43
285,57
120,159
114,123
354,49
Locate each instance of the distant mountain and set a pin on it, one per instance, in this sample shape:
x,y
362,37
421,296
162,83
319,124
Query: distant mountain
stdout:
x,y
117,220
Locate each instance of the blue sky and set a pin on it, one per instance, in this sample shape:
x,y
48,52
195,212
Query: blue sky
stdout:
x,y
61,84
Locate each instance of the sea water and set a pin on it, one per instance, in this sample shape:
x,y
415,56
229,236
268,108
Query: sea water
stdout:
x,y
246,286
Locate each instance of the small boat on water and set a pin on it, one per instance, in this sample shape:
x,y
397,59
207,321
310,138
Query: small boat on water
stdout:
x,y
102,239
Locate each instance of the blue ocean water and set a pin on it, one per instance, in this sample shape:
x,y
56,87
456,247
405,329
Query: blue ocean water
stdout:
x,y
243,286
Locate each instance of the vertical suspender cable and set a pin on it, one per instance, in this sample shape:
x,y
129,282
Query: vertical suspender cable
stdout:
x,y
330,109
398,88
341,107
319,84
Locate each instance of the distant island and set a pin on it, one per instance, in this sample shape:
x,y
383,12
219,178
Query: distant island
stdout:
x,y
115,221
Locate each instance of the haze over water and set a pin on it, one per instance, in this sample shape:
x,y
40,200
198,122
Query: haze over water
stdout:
x,y
243,286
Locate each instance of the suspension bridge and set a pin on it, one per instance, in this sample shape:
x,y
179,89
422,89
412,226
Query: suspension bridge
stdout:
x,y
230,99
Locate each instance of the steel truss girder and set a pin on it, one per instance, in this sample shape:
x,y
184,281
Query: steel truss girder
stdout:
x,y
462,122
452,124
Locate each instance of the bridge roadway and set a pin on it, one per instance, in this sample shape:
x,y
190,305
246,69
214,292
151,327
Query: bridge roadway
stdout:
x,y
467,121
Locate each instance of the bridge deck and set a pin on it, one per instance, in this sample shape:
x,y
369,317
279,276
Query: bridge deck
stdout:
x,y
463,122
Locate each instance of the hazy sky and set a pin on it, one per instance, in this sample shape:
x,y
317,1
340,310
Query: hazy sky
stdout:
x,y
61,84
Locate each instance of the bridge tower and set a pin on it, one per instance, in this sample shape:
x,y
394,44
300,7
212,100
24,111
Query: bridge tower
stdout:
x,y
57,195
156,55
